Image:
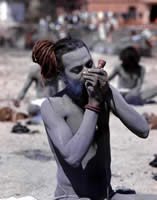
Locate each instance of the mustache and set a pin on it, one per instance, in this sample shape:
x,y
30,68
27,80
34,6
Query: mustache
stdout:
x,y
77,88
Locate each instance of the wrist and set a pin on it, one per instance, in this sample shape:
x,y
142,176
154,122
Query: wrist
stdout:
x,y
94,103
93,108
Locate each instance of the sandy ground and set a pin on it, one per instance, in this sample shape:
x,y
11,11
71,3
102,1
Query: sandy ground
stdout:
x,y
27,166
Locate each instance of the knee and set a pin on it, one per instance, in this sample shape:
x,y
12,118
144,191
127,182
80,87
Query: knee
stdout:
x,y
134,100
33,109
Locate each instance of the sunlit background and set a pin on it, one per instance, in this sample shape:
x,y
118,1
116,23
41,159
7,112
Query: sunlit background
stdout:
x,y
24,22
27,166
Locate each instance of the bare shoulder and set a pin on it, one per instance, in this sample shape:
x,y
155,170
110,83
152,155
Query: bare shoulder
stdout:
x,y
34,69
53,106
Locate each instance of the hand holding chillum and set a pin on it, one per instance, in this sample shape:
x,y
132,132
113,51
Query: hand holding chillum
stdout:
x,y
96,81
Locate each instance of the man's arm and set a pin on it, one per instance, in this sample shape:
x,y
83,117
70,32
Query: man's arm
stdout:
x,y
25,88
72,147
130,118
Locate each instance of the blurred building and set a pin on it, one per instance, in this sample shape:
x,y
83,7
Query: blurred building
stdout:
x,y
144,11
141,11
71,4
11,12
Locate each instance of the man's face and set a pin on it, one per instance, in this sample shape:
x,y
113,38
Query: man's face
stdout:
x,y
75,62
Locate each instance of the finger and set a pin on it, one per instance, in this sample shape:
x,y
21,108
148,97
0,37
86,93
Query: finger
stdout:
x,y
90,83
89,86
104,87
94,79
97,71
89,77
102,82
90,89
103,78
101,63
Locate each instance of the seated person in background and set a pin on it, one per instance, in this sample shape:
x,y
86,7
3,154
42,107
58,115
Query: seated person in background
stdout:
x,y
130,78
43,88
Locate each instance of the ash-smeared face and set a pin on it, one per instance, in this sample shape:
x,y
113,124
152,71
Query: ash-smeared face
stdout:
x,y
75,62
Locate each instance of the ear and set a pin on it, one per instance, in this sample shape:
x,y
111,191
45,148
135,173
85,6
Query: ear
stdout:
x,y
64,78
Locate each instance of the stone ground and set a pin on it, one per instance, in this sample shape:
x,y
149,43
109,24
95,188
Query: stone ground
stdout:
x,y
27,166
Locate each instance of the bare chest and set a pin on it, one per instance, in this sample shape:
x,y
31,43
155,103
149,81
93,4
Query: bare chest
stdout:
x,y
74,118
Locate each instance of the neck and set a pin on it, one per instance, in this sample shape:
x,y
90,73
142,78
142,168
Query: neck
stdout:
x,y
81,100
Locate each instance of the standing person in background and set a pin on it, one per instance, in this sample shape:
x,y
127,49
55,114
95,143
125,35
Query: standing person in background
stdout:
x,y
101,26
142,41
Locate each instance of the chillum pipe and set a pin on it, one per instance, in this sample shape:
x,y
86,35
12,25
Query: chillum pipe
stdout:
x,y
101,63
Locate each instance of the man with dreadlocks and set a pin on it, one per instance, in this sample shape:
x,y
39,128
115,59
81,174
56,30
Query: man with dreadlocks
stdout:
x,y
77,120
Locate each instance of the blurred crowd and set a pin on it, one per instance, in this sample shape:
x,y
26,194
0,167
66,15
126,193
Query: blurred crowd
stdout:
x,y
92,27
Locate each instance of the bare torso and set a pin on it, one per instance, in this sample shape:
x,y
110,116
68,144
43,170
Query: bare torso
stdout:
x,y
88,179
127,80
80,141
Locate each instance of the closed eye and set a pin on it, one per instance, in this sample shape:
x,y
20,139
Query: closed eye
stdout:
x,y
77,69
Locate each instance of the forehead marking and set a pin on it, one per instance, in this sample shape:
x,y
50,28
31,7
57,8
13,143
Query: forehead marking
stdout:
x,y
76,57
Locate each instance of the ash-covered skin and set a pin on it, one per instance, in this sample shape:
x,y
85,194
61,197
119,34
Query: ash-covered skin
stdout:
x,y
79,137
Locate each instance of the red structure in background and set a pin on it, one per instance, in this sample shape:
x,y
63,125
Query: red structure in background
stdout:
x,y
139,11
143,11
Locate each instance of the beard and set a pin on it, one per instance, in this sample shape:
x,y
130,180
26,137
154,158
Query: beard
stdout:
x,y
77,89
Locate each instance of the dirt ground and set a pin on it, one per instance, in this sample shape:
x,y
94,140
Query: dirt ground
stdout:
x,y
27,166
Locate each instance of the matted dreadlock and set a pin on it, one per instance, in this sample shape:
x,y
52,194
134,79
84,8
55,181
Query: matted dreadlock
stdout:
x,y
48,54
43,54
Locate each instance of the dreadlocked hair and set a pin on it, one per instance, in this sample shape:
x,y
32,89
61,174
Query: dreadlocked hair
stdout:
x,y
48,54
43,54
